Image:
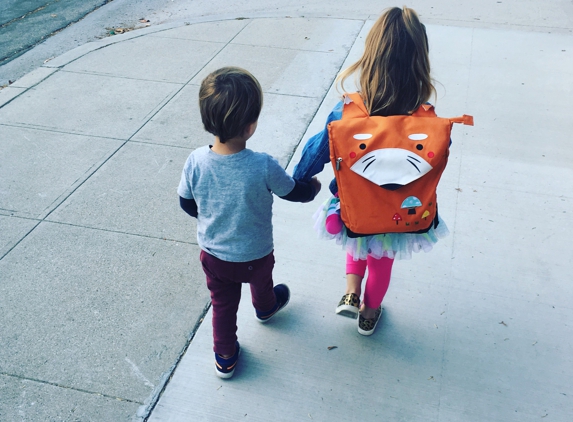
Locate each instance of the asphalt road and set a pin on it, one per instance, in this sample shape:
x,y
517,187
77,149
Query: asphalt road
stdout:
x,y
25,23
31,30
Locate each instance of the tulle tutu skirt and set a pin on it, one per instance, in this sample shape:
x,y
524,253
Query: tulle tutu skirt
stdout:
x,y
390,245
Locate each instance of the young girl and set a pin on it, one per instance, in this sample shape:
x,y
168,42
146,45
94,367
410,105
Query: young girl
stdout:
x,y
394,79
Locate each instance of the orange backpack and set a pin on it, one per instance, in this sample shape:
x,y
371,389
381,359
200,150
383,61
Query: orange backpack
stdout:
x,y
388,168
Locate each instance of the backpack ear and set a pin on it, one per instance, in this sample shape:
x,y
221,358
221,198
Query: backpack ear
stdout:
x,y
425,110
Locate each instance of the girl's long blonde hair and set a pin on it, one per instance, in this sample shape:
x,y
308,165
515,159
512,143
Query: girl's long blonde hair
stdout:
x,y
394,71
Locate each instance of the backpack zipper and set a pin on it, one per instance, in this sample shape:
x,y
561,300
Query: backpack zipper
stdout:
x,y
338,160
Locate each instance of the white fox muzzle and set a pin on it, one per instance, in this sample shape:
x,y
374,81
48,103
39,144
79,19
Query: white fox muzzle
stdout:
x,y
391,168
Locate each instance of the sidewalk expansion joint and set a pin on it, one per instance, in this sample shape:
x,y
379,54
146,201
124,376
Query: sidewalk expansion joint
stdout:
x,y
81,390
109,75
333,80
283,94
156,395
117,232
65,132
304,50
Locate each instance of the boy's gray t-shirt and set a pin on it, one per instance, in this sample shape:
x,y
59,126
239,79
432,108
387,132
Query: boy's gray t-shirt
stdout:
x,y
234,201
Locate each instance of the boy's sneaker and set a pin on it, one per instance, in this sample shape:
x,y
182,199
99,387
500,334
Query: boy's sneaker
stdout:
x,y
225,368
366,327
348,305
282,293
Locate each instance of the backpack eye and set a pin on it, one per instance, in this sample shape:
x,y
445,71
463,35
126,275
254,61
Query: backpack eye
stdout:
x,y
362,146
419,147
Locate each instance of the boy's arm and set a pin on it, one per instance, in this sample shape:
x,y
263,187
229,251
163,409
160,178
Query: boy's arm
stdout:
x,y
189,206
303,191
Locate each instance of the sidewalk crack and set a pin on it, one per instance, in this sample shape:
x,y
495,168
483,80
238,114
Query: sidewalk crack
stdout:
x,y
80,390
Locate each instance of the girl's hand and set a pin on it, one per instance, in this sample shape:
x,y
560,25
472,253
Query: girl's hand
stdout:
x,y
316,184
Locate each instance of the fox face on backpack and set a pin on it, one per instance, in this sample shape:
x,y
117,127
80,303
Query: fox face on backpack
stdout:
x,y
388,168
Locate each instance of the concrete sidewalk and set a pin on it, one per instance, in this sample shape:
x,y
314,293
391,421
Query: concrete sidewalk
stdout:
x,y
104,309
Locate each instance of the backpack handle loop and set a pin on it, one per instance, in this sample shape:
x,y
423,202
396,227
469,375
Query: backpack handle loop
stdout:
x,y
464,120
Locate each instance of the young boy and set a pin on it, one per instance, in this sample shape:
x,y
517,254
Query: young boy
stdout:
x,y
229,188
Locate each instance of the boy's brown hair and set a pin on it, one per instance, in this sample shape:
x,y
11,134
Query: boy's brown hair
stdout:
x,y
230,99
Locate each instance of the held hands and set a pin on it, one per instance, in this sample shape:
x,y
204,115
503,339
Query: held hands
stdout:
x,y
303,191
315,183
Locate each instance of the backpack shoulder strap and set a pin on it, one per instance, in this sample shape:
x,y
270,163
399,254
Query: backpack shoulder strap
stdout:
x,y
354,106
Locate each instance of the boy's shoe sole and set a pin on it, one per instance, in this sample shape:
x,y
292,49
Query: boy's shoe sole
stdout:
x,y
348,306
282,293
366,327
225,368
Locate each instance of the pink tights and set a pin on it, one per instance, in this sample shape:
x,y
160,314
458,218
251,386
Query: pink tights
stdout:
x,y
379,272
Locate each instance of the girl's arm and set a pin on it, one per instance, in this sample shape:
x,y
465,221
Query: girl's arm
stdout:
x,y
316,152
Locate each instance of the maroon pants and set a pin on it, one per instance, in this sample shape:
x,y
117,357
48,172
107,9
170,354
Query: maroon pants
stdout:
x,y
224,280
